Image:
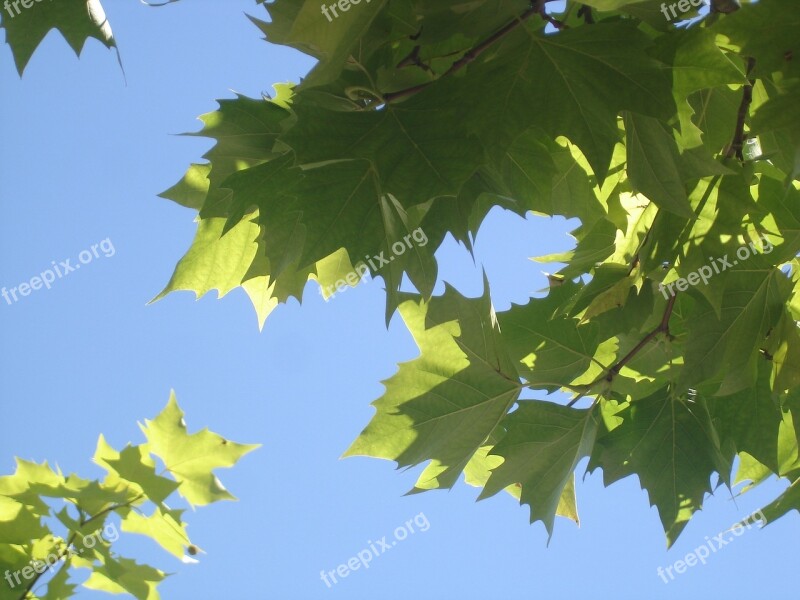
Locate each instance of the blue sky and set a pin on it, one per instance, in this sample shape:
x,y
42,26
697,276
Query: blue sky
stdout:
x,y
82,158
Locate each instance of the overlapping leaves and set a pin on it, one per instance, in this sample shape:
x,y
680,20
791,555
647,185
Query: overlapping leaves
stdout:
x,y
422,116
428,116
133,494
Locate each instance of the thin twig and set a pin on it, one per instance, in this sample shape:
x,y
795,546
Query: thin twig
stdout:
x,y
724,6
736,145
663,327
586,12
71,540
413,59
551,19
473,53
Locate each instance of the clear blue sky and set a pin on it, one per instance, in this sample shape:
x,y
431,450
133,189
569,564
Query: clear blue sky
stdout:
x,y
82,159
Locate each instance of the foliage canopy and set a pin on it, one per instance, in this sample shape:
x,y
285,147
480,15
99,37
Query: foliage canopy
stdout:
x,y
676,146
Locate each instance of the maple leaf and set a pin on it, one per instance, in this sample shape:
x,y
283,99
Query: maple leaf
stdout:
x,y
190,458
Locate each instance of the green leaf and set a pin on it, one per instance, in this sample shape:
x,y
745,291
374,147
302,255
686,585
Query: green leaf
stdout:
x,y
653,164
749,420
326,37
780,116
191,191
191,458
766,31
246,131
783,348
480,467
163,526
596,242
18,524
750,308
29,482
713,110
215,261
443,405
542,447
592,74
698,65
125,575
133,466
551,351
786,502
418,150
670,444
76,20
609,288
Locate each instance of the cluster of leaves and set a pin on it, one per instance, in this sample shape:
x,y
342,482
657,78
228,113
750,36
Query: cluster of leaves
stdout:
x,y
428,115
79,535
422,114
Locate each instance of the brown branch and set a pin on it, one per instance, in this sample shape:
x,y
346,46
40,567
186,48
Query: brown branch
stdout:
x,y
586,12
553,21
537,6
635,257
413,59
663,327
736,145
724,6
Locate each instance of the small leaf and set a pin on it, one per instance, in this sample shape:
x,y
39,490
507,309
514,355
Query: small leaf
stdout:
x,y
191,458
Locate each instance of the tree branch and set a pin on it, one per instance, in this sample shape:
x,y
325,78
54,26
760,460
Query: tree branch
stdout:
x,y
724,6
736,145
551,19
586,12
537,7
663,327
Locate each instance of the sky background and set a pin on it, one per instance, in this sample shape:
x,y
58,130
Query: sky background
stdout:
x,y
83,156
